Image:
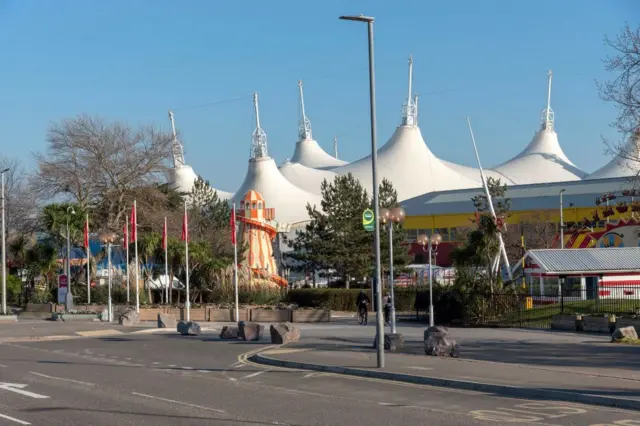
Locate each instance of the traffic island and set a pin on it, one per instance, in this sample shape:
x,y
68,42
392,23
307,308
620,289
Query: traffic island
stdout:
x,y
8,318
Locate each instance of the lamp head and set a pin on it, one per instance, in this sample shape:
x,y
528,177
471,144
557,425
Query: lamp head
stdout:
x,y
398,214
107,237
385,215
422,239
436,239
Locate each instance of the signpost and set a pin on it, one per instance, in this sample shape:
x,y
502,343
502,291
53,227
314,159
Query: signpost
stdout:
x,y
368,220
62,288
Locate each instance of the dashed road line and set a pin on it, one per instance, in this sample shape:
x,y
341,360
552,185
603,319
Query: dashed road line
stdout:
x,y
62,379
3,366
257,373
13,419
186,404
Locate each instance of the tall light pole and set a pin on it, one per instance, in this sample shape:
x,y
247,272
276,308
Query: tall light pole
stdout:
x,y
69,296
374,165
561,220
391,217
108,238
4,252
423,240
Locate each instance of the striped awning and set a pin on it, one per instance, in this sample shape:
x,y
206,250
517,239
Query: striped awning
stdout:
x,y
577,240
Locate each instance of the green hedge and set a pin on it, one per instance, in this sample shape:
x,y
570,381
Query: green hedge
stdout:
x,y
345,300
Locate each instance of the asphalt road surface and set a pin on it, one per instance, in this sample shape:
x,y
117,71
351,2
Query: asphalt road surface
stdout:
x,y
167,379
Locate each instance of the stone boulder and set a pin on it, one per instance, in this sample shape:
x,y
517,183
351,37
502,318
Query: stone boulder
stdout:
x,y
439,343
250,331
393,342
167,321
229,332
284,332
190,328
624,333
435,329
129,317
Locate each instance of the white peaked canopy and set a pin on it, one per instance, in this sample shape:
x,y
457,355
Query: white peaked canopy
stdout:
x,y
626,162
543,159
406,161
308,152
474,173
263,176
181,177
305,177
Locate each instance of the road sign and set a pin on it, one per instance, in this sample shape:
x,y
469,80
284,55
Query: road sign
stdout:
x,y
19,388
63,288
367,220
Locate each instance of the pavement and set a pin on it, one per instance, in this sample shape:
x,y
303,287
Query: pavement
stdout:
x,y
144,378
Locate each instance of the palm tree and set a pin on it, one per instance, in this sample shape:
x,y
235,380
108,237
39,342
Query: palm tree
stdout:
x,y
148,249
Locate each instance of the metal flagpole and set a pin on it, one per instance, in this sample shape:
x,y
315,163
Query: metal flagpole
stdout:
x,y
88,264
235,261
135,224
166,260
186,256
126,236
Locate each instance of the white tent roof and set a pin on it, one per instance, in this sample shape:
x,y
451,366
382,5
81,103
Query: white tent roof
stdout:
x,y
474,173
541,161
625,162
305,177
411,167
182,179
310,154
288,200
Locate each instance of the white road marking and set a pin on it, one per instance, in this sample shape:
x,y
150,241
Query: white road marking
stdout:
x,y
62,379
3,366
170,365
233,379
306,376
421,368
177,402
187,368
13,419
18,388
203,371
128,359
257,373
155,363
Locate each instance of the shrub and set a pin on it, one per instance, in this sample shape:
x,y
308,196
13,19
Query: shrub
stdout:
x,y
345,300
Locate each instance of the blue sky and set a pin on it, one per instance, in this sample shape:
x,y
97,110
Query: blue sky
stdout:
x,y
133,60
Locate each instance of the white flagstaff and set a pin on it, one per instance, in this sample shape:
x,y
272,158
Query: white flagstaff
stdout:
x,y
166,260
185,237
126,245
234,237
135,243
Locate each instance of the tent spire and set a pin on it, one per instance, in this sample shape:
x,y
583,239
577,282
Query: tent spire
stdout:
x,y
547,113
259,137
409,109
304,128
335,146
176,147
415,102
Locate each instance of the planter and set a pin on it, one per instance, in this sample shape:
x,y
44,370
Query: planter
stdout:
x,y
267,315
74,317
598,324
4,319
227,315
39,307
196,314
150,314
311,315
564,322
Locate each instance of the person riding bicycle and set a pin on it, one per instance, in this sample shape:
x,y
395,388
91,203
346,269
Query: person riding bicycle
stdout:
x,y
362,302
386,303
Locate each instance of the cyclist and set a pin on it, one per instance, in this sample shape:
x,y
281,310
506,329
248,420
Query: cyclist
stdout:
x,y
361,303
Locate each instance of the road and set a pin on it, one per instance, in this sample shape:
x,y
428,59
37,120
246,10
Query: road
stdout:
x,y
167,379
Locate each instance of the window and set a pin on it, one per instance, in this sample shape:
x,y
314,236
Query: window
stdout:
x,y
248,205
253,206
259,204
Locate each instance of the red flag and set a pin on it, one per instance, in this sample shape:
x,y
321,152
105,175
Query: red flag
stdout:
x,y
86,233
125,233
134,222
185,227
233,225
164,235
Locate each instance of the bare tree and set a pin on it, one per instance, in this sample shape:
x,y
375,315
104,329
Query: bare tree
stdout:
x,y
21,211
99,164
624,90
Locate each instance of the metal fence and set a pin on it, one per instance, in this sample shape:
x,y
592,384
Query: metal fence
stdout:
x,y
526,310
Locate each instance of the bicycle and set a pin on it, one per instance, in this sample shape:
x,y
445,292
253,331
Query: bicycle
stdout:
x,y
362,314
387,315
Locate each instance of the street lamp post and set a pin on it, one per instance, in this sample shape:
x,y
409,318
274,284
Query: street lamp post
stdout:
x,y
374,160
108,238
4,253
423,240
391,217
561,220
69,297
